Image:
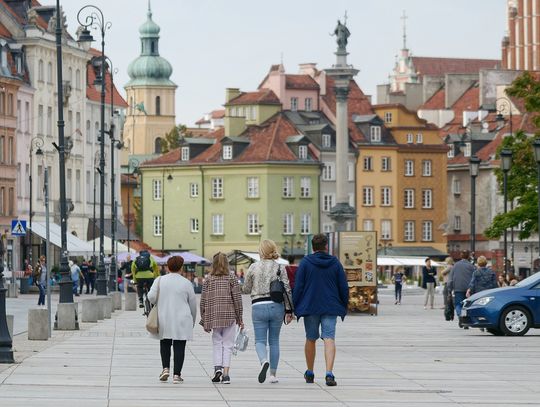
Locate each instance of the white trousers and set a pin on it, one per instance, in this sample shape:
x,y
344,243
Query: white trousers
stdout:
x,y
430,294
223,341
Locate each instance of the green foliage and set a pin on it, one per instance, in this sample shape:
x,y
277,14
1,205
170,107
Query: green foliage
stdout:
x,y
173,138
137,205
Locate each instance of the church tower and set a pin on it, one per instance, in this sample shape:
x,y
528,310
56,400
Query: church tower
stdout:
x,y
150,95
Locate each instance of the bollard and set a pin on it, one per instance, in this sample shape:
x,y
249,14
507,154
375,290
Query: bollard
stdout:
x,y
12,291
10,320
105,305
37,324
117,300
66,317
131,302
90,310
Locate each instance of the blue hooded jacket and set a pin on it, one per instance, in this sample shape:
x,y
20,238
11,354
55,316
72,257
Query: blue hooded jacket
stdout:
x,y
320,286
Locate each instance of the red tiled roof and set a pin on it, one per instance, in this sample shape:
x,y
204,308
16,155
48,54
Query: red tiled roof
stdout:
x,y
94,94
441,66
262,96
304,82
218,114
436,101
4,32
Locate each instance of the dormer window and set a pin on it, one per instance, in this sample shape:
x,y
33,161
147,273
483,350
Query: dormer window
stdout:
x,y
419,138
307,103
302,152
388,117
451,151
326,140
410,138
185,154
467,150
375,132
233,111
294,104
227,152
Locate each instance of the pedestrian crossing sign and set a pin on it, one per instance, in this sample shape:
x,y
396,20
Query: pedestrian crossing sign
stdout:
x,y
18,227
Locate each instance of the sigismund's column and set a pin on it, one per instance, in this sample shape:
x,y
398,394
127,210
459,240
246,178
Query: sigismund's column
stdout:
x,y
342,75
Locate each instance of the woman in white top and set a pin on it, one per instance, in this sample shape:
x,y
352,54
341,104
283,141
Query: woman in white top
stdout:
x,y
267,315
177,312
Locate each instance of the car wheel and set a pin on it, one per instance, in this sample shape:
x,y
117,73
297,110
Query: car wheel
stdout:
x,y
494,331
515,321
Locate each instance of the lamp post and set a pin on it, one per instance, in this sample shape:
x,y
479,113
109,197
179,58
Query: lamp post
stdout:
x,y
133,168
536,146
36,142
506,161
6,344
95,19
474,167
96,172
169,178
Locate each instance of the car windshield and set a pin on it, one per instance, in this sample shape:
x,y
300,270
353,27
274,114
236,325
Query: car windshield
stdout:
x,y
535,278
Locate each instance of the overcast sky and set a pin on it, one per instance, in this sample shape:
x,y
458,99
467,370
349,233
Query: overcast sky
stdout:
x,y
215,44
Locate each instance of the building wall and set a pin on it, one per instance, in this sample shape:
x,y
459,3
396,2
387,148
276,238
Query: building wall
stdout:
x,y
521,48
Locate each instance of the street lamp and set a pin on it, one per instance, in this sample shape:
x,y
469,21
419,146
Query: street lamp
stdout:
x,y
6,344
96,172
506,161
133,168
536,146
96,19
474,167
169,178
36,143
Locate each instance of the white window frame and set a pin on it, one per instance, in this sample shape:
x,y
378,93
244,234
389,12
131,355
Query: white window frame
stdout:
x,y
427,231
409,168
294,104
326,140
253,187
367,163
388,117
193,190
156,225
408,198
305,223
287,187
408,231
467,150
427,199
352,200
419,138
194,225
302,152
351,172
305,187
450,153
456,186
367,196
184,154
386,229
329,172
386,164
217,224
410,138
368,225
157,189
457,222
328,227
253,226
386,196
328,201
288,223
427,168
308,104
375,134
217,188
227,152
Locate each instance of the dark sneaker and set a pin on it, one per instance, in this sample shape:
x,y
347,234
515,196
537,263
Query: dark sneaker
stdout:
x,y
226,380
331,380
217,376
309,376
141,305
262,372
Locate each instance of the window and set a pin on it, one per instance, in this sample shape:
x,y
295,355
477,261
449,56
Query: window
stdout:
x,y
156,222
194,225
467,150
10,151
49,121
409,199
11,202
419,138
77,120
368,163
410,138
2,201
326,140
456,186
457,222
40,71
40,119
49,73
98,135
305,187
408,231
253,187
27,120
426,168
367,196
78,185
68,184
240,111
388,117
328,173
88,188
288,187
375,132
367,225
305,224
70,123
227,152
294,104
253,224
427,231
217,224
328,227
288,225
19,116
252,109
194,190
10,104
352,200
409,168
217,188
233,111
386,196
157,146
156,188
88,132
302,152
158,106
427,198
185,154
78,79
386,229
386,164
328,202
350,170
307,104
450,153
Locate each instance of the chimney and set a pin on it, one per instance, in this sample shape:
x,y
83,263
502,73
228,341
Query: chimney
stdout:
x,y
231,93
309,68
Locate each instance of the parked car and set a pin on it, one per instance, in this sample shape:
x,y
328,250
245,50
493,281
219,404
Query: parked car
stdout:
x,y
505,311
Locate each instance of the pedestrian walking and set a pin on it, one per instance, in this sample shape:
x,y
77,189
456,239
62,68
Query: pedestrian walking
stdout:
x,y
42,279
85,280
398,279
459,280
428,279
221,312
177,312
291,270
321,294
483,278
75,276
267,315
92,274
446,273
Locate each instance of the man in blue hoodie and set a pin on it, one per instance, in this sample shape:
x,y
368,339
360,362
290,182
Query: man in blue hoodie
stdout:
x,y
320,295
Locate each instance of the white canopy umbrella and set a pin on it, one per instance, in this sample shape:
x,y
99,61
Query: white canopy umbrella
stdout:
x,y
107,246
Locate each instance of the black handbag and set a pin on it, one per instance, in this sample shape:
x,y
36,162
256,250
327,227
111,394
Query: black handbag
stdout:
x,y
277,288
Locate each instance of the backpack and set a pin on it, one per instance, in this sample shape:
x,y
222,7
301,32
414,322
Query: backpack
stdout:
x,y
142,263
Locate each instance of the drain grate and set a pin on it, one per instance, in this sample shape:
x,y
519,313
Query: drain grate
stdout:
x,y
420,391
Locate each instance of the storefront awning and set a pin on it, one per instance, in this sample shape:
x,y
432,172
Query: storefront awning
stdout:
x,y
75,246
240,257
405,261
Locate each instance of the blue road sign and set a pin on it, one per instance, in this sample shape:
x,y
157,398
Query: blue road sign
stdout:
x,y
18,227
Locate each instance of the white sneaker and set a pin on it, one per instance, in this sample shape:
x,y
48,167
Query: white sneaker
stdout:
x,y
273,379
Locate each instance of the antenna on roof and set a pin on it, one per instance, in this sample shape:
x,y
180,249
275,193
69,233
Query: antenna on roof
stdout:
x,y
404,18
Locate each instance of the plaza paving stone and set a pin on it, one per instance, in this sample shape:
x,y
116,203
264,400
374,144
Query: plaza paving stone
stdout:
x,y
405,356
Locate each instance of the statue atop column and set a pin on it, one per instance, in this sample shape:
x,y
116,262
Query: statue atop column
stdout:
x,y
342,33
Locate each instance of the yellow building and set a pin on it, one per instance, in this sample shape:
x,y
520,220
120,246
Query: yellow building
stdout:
x,y
401,181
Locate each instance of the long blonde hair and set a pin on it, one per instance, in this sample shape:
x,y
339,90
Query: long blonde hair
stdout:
x,y
220,265
268,250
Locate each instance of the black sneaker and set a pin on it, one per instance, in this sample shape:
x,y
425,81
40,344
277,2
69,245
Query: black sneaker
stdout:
x,y
217,376
309,376
331,380
262,372
141,305
226,380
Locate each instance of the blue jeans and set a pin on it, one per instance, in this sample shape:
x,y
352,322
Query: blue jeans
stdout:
x,y
458,297
267,320
326,323
41,300
76,287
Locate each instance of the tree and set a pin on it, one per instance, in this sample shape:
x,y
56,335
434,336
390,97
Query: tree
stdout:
x,y
174,137
522,178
